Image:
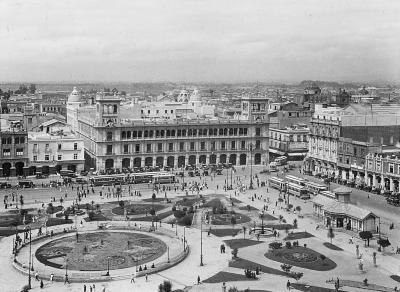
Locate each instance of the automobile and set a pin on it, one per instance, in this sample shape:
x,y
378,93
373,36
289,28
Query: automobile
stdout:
x,y
26,184
205,172
40,175
84,172
5,185
191,173
167,168
219,171
81,180
181,174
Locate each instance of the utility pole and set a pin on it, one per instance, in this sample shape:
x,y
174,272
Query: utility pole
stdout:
x,y
201,239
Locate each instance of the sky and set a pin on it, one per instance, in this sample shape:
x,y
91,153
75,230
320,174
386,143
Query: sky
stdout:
x,y
199,40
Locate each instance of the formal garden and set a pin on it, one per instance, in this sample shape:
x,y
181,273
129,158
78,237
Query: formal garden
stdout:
x,y
97,250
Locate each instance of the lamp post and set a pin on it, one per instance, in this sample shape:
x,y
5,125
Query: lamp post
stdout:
x,y
201,239
66,268
32,263
251,167
176,228
184,238
168,253
262,222
231,177
227,178
30,257
108,266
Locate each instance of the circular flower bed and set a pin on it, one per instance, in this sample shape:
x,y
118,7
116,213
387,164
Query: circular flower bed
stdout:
x,y
93,251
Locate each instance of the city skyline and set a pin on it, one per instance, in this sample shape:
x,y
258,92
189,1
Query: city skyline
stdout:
x,y
199,41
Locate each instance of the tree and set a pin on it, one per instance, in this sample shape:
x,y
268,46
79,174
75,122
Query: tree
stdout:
x,y
366,236
384,242
233,221
166,286
297,276
235,252
153,196
331,235
298,209
275,245
286,268
322,257
32,88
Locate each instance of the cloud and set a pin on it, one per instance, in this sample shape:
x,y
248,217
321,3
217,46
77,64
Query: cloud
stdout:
x,y
225,40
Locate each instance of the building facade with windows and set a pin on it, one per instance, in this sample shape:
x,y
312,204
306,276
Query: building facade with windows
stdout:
x,y
49,153
383,171
13,151
291,142
114,139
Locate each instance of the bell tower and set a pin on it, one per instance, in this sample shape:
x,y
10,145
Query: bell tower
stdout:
x,y
107,109
255,108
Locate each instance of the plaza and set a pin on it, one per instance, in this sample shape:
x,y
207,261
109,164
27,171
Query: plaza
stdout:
x,y
180,254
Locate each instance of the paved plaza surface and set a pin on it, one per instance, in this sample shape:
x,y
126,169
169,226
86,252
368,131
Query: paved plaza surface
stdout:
x,y
184,274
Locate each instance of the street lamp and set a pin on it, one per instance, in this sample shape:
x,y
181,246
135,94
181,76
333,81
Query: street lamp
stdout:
x,y
30,257
108,266
66,269
262,222
251,167
201,238
184,238
168,253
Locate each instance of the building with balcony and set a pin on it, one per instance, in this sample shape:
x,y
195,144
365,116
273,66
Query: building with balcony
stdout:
x,y
383,171
13,150
291,142
115,137
51,152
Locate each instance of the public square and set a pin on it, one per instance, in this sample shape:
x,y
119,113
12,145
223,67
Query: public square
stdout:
x,y
175,251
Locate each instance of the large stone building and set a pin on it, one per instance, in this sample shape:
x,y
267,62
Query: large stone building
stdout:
x,y
341,138
13,149
116,137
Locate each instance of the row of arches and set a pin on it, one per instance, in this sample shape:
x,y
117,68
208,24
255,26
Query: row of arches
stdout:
x,y
181,161
19,168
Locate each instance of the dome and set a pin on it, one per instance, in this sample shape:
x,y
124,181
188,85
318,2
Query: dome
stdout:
x,y
183,96
195,96
75,96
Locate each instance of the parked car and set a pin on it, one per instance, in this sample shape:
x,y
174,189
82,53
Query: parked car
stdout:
x,y
5,185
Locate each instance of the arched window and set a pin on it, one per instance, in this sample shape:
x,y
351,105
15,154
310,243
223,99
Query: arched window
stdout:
x,y
115,109
123,135
109,136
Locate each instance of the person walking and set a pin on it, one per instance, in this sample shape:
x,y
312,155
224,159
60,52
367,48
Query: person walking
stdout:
x,y
288,285
84,288
41,284
133,278
146,277
198,280
51,277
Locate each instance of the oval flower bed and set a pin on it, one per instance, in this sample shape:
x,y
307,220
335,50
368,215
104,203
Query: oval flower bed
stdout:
x,y
301,257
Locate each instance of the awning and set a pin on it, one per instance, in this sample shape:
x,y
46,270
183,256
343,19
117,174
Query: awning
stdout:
x,y
297,154
276,151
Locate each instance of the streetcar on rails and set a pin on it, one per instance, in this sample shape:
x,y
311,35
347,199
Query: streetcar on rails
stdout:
x,y
315,188
277,183
298,191
296,180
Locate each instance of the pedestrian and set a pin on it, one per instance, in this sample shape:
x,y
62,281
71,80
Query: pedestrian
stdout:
x,y
94,288
288,285
146,277
84,288
133,278
37,276
198,280
41,284
90,289
66,280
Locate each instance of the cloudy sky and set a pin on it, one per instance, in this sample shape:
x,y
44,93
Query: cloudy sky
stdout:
x,y
199,40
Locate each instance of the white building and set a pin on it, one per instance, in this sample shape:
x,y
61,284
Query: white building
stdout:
x,y
49,153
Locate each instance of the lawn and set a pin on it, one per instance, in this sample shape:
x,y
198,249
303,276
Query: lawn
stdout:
x,y
268,217
58,221
395,277
187,202
227,277
332,246
97,217
279,226
156,217
225,232
161,199
235,201
225,219
239,243
214,203
137,209
298,235
248,208
309,288
246,264
301,257
8,232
